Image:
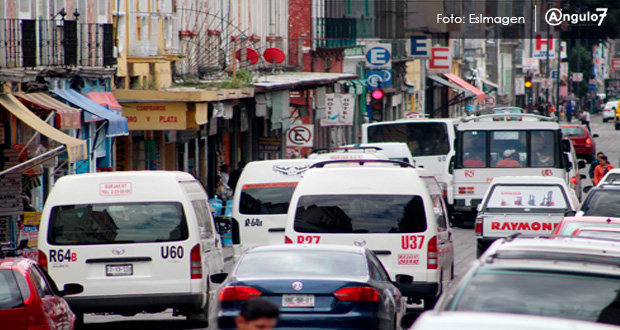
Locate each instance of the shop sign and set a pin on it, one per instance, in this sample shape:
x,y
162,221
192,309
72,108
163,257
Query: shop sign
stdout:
x,y
156,116
269,144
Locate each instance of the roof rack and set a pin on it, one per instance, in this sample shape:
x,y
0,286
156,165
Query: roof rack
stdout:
x,y
361,162
496,115
346,149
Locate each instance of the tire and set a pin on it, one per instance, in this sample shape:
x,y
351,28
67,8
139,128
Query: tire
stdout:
x,y
199,319
429,302
617,126
479,249
79,320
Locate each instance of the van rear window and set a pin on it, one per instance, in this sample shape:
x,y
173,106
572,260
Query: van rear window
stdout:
x,y
344,214
143,222
266,198
10,296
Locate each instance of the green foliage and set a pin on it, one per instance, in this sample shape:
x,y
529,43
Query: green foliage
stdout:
x,y
580,60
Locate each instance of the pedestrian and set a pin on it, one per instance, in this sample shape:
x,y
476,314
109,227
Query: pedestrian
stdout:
x,y
585,119
595,163
257,314
601,170
551,110
569,112
223,189
234,176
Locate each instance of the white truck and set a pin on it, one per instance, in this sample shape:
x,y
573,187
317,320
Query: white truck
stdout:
x,y
531,205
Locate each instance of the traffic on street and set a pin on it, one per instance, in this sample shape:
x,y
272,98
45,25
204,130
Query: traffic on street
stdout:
x,y
309,164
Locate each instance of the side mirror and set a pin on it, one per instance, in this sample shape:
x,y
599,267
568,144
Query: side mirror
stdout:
x,y
451,165
581,164
218,278
587,189
71,288
404,279
223,225
570,213
565,145
594,135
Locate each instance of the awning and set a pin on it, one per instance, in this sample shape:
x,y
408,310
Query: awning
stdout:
x,y
292,80
480,96
76,149
117,125
492,84
34,161
106,99
69,117
446,83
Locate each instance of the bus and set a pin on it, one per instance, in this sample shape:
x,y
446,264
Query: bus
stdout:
x,y
486,148
431,142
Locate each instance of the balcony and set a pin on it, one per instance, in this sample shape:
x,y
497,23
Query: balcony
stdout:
x,y
27,43
335,32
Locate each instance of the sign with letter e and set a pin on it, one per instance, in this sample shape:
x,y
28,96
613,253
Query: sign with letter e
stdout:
x,y
300,136
419,46
441,60
379,56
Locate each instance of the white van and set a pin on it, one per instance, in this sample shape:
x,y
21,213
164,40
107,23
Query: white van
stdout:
x,y
390,207
531,205
430,141
261,201
136,241
348,153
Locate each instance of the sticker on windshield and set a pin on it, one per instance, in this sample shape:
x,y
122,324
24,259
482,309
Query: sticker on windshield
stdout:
x,y
115,189
408,259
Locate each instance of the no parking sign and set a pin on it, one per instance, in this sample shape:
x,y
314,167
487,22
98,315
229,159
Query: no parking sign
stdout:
x,y
300,136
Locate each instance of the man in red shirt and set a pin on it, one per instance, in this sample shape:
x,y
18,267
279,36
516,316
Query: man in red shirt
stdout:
x,y
602,169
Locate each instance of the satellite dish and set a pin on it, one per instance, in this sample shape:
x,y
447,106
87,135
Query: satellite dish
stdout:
x,y
274,54
250,55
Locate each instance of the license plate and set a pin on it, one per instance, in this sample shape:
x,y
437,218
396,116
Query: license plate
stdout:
x,y
298,300
119,270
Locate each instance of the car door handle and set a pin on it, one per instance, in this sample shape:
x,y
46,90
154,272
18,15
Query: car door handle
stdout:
x,y
276,230
382,252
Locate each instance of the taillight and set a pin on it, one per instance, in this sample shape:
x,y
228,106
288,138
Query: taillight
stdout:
x,y
231,293
42,260
588,141
478,227
195,262
357,293
287,240
431,255
462,190
573,180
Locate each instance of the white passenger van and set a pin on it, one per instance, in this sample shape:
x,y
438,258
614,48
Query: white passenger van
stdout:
x,y
136,241
390,207
430,141
348,153
261,201
531,205
398,151
486,149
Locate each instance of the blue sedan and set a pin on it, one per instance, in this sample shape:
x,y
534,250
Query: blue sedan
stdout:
x,y
315,287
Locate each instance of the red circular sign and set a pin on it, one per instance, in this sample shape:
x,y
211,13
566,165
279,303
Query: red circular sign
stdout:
x,y
547,172
251,55
274,54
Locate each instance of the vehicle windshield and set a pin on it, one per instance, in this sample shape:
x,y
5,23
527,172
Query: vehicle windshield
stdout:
x,y
604,203
301,263
10,296
346,214
568,228
573,131
614,234
508,148
117,223
523,198
423,139
266,198
566,295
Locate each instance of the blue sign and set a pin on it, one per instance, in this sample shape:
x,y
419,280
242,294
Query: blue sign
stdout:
x,y
376,77
378,56
591,87
554,74
419,46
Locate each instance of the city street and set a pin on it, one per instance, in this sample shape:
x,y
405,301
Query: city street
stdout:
x,y
463,246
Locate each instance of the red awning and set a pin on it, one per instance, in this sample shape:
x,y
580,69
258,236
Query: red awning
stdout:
x,y
480,96
105,99
69,116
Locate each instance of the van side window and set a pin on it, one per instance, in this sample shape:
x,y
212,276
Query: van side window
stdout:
x,y
438,205
204,218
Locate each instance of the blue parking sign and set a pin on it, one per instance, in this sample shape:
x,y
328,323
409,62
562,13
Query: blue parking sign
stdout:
x,y
376,77
378,56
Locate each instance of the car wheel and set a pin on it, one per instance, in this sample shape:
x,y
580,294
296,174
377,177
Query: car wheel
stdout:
x,y
617,127
199,319
79,320
479,249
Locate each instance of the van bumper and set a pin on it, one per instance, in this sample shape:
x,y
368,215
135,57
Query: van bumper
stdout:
x,y
419,289
137,303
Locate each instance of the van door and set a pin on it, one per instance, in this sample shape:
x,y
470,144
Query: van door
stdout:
x,y
210,241
445,253
119,248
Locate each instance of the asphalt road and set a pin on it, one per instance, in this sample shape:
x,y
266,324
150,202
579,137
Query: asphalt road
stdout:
x,y
464,249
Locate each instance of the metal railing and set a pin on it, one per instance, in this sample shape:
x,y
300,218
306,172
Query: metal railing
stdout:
x,y
335,32
44,43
